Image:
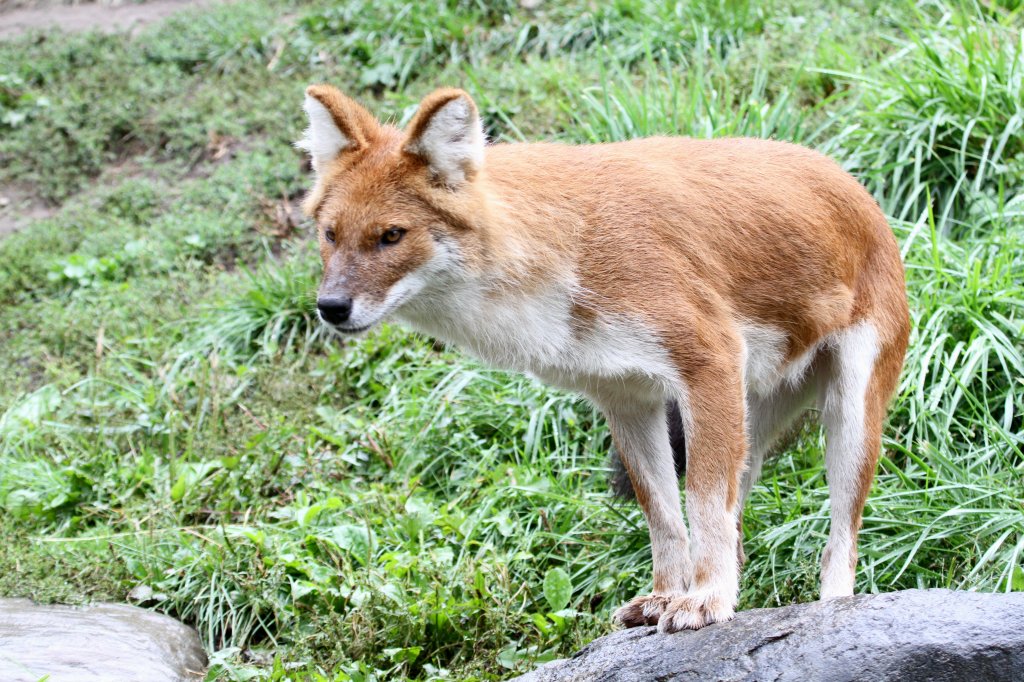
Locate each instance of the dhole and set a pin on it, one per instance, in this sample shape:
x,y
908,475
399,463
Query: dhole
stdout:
x,y
738,281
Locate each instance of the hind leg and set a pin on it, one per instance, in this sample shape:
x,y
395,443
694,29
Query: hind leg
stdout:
x,y
857,382
768,417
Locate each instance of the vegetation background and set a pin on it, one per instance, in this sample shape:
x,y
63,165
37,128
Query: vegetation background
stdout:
x,y
174,423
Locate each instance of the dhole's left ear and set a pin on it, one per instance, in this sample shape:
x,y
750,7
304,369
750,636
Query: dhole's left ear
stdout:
x,y
446,134
336,124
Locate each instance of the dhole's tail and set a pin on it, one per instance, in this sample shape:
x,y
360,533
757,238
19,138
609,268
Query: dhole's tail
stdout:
x,y
621,485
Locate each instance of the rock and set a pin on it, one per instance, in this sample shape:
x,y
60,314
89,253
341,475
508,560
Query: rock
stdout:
x,y
140,594
103,642
909,636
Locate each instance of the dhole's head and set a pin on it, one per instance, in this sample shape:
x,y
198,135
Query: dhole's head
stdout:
x,y
394,209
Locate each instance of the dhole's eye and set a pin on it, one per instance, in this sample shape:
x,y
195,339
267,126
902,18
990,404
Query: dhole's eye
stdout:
x,y
392,235
329,235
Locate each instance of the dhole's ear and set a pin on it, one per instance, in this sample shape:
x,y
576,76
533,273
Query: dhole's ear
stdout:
x,y
446,133
336,124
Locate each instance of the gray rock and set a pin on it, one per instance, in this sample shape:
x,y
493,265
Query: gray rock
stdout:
x,y
909,636
105,642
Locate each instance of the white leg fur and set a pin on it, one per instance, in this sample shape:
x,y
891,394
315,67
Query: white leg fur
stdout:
x,y
777,392
842,411
642,437
714,542
767,418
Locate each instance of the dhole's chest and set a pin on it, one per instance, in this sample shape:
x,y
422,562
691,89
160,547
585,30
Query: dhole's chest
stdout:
x,y
541,333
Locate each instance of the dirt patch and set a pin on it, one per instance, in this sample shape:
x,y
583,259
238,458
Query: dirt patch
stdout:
x,y
18,208
18,17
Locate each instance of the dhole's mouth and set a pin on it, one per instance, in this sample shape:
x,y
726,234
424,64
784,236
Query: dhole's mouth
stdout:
x,y
350,330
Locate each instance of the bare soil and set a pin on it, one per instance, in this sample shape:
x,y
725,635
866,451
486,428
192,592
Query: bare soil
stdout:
x,y
18,208
20,16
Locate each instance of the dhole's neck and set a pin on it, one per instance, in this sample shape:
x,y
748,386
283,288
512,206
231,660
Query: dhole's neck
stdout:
x,y
520,241
513,291
526,238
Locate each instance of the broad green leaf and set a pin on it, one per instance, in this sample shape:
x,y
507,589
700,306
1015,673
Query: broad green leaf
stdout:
x,y
1017,579
557,588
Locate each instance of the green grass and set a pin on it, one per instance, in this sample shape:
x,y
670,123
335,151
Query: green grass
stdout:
x,y
172,416
944,117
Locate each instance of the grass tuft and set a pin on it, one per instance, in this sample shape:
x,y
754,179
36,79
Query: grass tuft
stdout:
x,y
942,120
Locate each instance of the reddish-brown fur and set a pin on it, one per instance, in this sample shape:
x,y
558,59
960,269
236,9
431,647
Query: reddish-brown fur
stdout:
x,y
686,235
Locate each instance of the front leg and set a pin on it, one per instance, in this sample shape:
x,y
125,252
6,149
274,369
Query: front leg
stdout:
x,y
714,420
641,436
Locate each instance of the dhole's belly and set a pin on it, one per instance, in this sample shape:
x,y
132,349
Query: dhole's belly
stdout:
x,y
541,335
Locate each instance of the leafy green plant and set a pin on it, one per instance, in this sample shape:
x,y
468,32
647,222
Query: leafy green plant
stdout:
x,y
78,270
16,104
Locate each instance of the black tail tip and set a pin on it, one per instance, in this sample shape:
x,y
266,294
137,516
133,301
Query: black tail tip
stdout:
x,y
621,485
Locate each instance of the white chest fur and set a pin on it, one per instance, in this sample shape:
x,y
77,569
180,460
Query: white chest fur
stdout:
x,y
536,333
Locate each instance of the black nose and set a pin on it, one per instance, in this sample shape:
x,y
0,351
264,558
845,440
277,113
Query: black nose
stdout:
x,y
334,310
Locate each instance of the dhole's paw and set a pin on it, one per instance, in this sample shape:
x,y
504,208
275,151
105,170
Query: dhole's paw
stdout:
x,y
642,610
695,610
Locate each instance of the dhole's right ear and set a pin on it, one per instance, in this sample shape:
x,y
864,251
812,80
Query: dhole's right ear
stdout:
x,y
336,124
